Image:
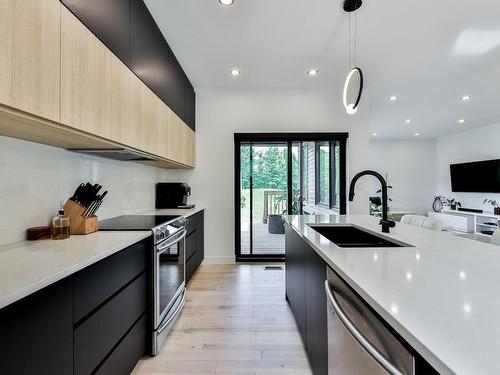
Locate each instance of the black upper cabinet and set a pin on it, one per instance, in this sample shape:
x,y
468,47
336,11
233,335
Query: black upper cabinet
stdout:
x,y
176,89
152,60
150,54
127,28
189,104
108,20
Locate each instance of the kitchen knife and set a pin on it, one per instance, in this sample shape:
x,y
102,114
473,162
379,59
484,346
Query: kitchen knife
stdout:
x,y
98,204
89,209
95,208
77,193
103,195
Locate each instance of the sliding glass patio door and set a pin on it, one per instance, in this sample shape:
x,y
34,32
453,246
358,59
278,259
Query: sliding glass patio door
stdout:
x,y
263,198
280,174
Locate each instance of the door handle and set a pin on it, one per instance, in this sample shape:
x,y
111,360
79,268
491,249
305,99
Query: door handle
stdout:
x,y
164,246
357,335
175,313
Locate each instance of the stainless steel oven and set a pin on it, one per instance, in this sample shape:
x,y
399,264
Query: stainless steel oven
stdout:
x,y
168,256
169,290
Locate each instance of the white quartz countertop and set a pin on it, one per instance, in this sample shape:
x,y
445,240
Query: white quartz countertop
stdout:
x,y
441,295
28,266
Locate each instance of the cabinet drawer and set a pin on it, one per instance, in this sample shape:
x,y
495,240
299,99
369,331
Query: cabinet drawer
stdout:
x,y
191,224
192,243
36,333
191,266
96,336
96,284
194,222
128,353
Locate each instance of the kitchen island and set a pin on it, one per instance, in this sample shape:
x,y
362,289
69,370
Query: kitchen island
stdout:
x,y
438,293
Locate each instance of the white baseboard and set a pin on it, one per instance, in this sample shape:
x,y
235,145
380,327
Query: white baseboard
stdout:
x,y
219,260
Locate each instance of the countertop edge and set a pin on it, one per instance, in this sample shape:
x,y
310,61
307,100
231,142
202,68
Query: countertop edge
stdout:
x,y
419,347
26,291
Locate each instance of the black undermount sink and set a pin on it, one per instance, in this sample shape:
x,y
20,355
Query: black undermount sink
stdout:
x,y
350,236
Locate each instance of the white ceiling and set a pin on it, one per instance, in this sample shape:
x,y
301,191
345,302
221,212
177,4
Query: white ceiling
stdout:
x,y
428,53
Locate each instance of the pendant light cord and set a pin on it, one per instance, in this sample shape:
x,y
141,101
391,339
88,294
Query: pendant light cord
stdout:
x,y
349,42
352,54
355,35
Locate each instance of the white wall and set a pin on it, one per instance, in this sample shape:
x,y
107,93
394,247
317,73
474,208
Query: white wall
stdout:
x,y
221,113
473,145
410,169
34,178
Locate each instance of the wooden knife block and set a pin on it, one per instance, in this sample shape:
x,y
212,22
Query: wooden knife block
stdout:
x,y
79,224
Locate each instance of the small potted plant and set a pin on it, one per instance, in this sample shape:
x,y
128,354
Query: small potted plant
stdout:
x,y
496,206
453,204
275,222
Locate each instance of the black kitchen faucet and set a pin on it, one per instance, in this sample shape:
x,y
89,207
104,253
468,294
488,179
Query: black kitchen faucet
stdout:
x,y
385,222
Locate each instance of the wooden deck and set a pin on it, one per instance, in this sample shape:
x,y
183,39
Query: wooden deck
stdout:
x,y
263,241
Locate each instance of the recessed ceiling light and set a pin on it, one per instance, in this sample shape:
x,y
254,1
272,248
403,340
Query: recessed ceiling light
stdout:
x,y
417,134
235,72
467,308
226,2
466,98
408,121
393,98
461,121
374,134
313,72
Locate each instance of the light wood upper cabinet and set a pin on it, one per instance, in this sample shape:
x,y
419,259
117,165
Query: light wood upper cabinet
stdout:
x,y
52,66
95,92
181,141
30,56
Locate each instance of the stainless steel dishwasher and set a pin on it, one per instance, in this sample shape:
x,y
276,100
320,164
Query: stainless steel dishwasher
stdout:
x,y
358,342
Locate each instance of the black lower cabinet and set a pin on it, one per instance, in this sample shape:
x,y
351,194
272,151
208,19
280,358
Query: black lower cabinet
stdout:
x,y
296,280
36,333
96,284
94,321
195,247
101,332
305,277
124,358
316,312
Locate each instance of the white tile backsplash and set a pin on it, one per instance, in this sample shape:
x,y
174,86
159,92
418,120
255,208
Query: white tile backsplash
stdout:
x,y
34,178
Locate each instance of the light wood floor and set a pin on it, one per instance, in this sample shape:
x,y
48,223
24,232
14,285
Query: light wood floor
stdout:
x,y
235,321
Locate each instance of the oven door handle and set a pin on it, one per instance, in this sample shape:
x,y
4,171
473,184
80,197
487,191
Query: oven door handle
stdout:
x,y
174,314
165,246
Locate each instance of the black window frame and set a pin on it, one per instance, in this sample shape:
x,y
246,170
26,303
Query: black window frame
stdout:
x,y
331,180
290,138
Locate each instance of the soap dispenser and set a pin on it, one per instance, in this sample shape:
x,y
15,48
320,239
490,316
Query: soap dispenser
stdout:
x,y
60,225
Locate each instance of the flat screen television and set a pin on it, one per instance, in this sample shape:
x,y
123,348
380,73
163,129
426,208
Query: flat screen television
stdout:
x,y
476,177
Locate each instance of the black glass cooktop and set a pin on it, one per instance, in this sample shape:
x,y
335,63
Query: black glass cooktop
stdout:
x,y
135,222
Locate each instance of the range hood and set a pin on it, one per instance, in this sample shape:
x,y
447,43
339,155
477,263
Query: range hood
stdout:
x,y
123,154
